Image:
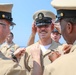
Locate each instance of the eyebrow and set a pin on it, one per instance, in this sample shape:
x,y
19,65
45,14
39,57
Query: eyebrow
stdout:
x,y
2,24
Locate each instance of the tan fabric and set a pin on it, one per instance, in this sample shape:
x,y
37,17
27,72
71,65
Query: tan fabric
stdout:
x,y
22,64
6,7
63,4
8,67
64,65
60,48
44,57
7,50
46,14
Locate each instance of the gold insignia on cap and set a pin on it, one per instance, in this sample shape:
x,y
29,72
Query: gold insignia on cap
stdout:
x,y
61,14
40,16
3,16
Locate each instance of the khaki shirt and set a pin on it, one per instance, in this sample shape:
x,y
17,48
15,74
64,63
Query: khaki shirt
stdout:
x,y
8,67
7,50
64,65
44,57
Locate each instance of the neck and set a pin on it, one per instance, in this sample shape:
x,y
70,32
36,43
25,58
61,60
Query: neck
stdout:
x,y
9,43
45,42
71,41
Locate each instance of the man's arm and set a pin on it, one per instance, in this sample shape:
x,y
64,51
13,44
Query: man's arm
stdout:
x,y
31,39
37,67
32,36
17,54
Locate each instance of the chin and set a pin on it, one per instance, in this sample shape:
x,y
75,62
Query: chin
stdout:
x,y
42,37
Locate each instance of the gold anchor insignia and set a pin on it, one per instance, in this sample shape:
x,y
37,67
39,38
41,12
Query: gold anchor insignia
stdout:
x,y
40,16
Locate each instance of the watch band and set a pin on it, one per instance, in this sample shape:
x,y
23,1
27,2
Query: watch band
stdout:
x,y
14,57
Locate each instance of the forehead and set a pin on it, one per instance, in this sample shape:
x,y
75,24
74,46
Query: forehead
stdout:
x,y
4,21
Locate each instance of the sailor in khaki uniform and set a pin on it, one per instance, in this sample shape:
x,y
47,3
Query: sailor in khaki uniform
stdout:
x,y
7,65
66,14
43,19
64,65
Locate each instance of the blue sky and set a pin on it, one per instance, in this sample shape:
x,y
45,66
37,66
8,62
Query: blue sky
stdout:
x,y
22,13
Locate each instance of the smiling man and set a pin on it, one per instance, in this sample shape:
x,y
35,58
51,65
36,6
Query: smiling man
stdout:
x,y
43,21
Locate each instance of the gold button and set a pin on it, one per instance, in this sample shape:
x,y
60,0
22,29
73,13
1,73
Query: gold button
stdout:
x,y
3,16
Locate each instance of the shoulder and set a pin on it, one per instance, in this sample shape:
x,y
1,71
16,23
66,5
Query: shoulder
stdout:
x,y
15,46
3,46
55,43
31,46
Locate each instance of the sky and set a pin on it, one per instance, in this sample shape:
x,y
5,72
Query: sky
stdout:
x,y
22,14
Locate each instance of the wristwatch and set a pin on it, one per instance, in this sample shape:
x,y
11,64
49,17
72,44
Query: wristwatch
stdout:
x,y
14,57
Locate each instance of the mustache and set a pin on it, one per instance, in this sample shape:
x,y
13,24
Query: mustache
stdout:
x,y
43,31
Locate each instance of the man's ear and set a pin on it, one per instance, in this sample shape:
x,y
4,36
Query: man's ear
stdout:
x,y
69,27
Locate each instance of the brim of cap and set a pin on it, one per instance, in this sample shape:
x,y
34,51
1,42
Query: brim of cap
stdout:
x,y
12,23
56,32
41,24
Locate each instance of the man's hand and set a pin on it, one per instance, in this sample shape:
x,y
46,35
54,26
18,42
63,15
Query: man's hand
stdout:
x,y
34,29
19,52
66,48
54,55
